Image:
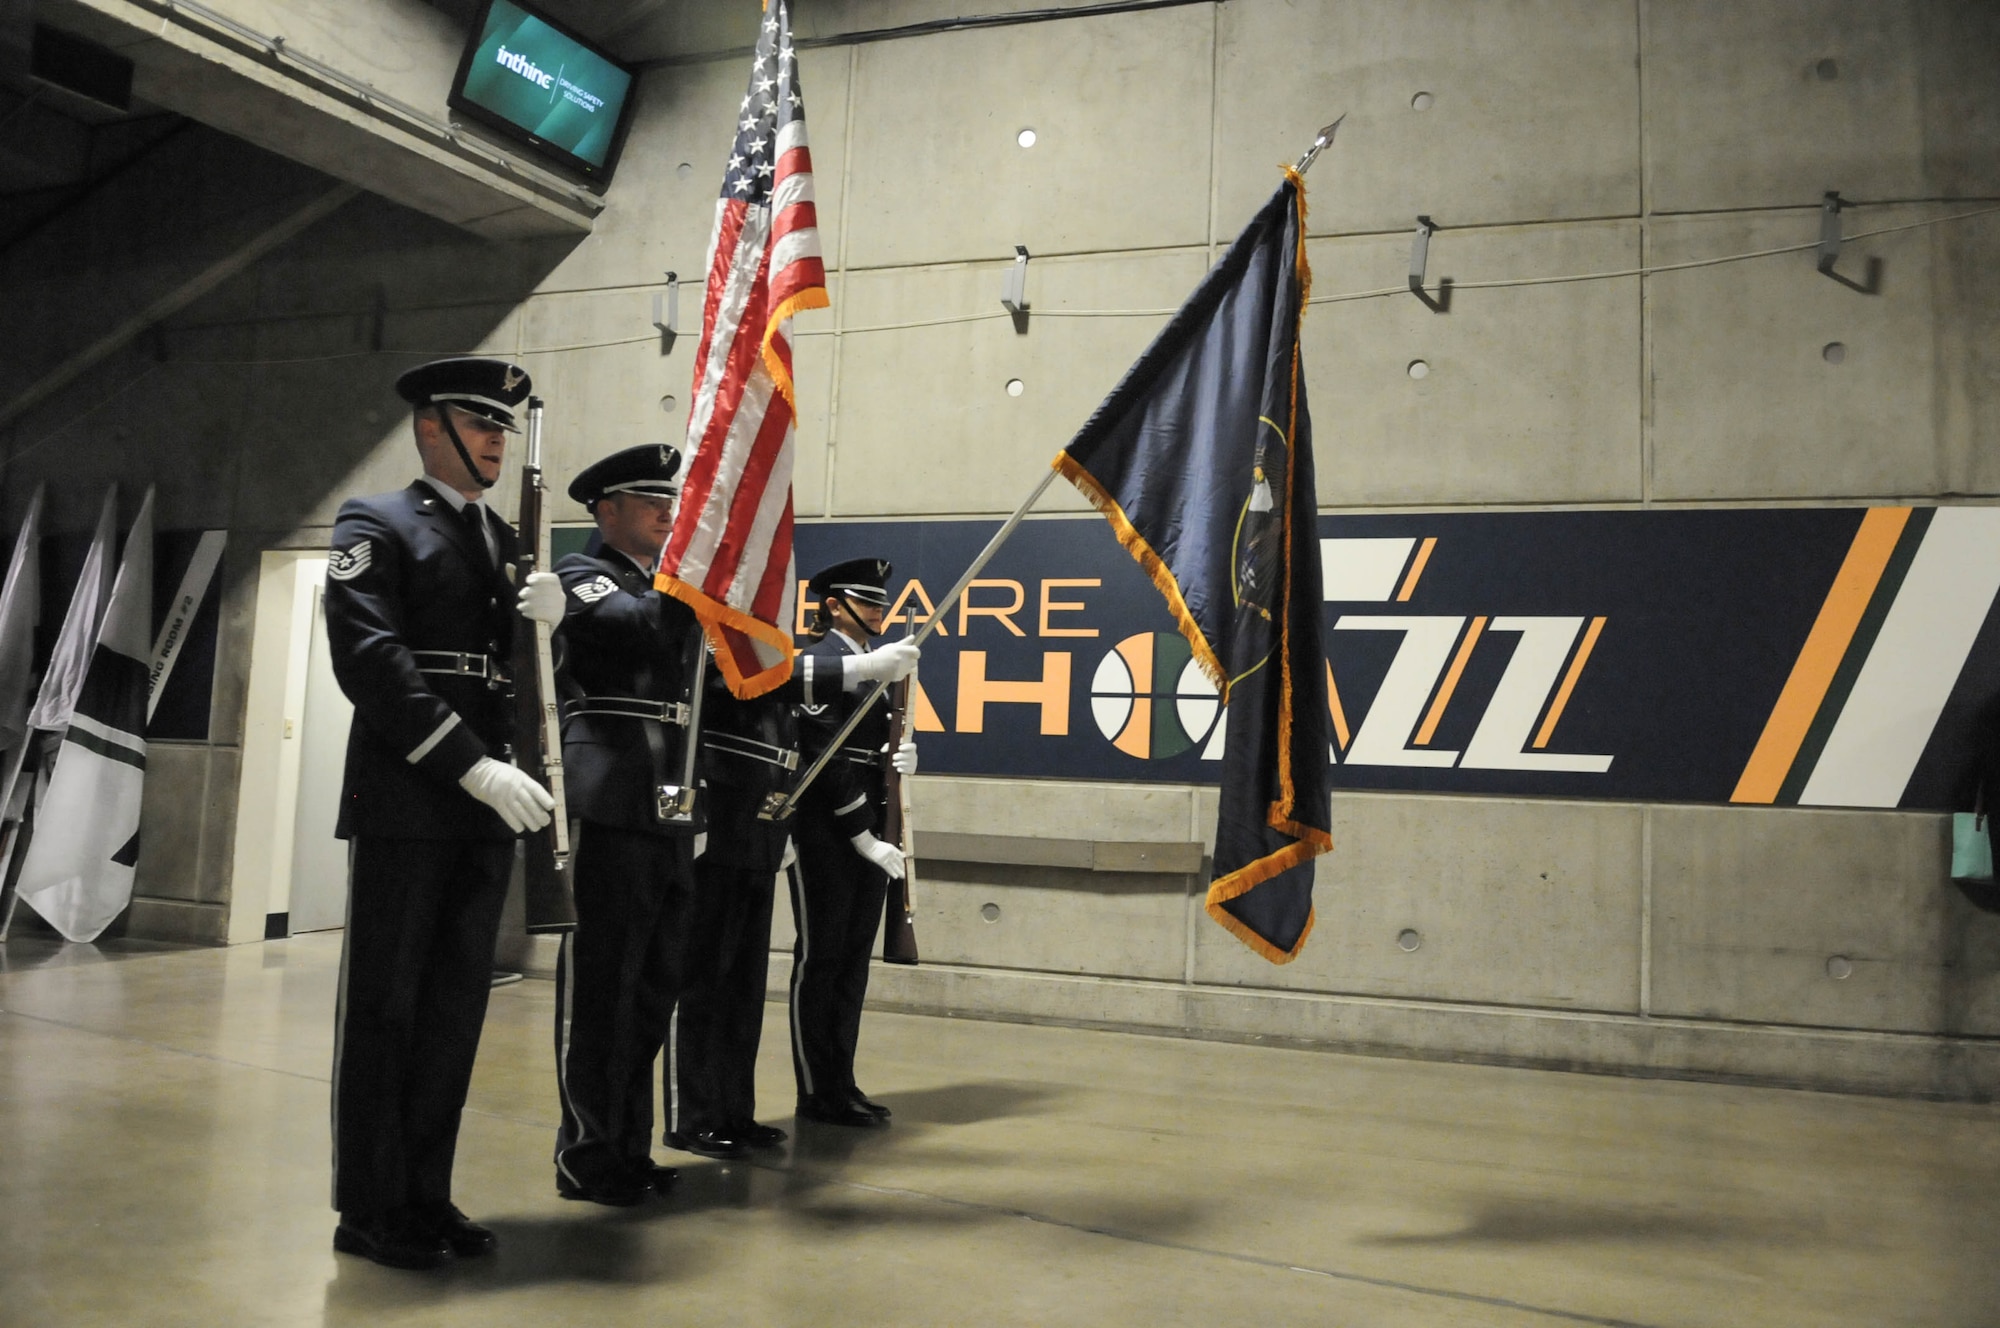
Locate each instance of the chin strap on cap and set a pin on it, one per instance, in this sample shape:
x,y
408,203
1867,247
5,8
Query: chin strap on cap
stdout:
x,y
451,431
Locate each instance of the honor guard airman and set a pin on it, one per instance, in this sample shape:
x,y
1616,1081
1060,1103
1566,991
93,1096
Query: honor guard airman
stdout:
x,y
750,754
630,660
420,615
844,868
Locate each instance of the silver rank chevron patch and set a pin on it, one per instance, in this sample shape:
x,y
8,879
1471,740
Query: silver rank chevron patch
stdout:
x,y
595,589
345,566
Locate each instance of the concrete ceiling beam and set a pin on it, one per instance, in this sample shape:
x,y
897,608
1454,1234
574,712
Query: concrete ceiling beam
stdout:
x,y
215,74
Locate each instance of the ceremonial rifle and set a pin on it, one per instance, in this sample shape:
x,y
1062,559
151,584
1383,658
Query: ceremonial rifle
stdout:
x,y
899,930
537,719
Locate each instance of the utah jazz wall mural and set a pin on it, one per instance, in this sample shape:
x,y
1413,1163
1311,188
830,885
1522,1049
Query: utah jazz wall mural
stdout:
x,y
1837,657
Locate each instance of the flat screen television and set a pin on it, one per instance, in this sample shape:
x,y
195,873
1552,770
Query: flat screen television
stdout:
x,y
533,80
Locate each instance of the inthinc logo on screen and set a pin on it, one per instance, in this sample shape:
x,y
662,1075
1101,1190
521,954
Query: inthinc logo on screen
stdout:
x,y
526,68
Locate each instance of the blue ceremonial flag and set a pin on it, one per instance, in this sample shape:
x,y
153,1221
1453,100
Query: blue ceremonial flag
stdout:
x,y
1201,459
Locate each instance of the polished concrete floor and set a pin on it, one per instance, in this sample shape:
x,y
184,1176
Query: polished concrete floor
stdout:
x,y
163,1116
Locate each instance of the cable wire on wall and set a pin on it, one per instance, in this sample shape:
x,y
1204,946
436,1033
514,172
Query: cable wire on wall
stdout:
x,y
947,320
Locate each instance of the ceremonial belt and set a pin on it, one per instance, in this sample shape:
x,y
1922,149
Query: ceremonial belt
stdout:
x,y
736,745
455,664
861,755
628,707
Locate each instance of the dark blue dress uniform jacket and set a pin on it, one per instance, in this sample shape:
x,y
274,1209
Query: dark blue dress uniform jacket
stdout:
x,y
408,574
622,638
849,792
736,736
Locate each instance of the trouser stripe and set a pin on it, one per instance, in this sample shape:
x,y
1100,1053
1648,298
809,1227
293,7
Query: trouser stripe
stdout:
x,y
340,1018
798,973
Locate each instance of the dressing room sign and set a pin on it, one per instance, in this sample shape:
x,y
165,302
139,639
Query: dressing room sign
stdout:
x,y
1815,656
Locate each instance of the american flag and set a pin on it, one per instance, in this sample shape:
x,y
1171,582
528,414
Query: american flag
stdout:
x,y
730,556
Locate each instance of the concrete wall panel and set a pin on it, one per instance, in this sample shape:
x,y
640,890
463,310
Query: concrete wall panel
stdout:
x,y
1513,903
1053,920
1068,809
1507,79
926,424
1746,403
1532,394
1965,293
170,825
1757,914
234,627
1121,108
216,866
659,215
359,431
1772,104
601,399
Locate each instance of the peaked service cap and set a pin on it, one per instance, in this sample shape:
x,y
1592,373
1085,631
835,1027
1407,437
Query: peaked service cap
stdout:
x,y
493,389
863,580
648,468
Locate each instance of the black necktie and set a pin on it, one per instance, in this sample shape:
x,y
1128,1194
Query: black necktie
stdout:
x,y
475,521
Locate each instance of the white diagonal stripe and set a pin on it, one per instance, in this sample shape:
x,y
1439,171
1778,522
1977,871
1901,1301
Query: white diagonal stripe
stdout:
x,y
1922,647
429,744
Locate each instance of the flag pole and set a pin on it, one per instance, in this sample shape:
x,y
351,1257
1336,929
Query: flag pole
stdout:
x,y
1319,145
779,808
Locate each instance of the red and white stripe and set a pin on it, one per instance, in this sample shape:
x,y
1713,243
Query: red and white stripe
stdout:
x,y
730,554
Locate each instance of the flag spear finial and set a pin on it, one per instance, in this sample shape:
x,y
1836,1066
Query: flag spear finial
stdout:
x,y
1319,144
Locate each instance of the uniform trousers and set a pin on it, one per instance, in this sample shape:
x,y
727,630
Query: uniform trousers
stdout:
x,y
837,898
416,966
721,1015
616,981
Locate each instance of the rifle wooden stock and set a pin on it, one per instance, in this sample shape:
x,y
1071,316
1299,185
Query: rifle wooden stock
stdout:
x,y
550,906
899,930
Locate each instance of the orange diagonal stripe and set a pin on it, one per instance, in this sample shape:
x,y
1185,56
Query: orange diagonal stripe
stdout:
x,y
1430,724
1340,732
1569,682
1416,570
1826,645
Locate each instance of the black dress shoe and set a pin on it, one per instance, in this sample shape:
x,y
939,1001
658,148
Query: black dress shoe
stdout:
x,y
867,1104
662,1179
620,1191
758,1136
393,1240
466,1238
837,1113
709,1143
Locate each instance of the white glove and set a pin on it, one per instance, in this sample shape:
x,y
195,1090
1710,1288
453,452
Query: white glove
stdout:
x,y
542,598
905,758
886,856
887,663
522,803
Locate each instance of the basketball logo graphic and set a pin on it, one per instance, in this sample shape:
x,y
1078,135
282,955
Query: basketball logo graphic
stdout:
x,y
1151,699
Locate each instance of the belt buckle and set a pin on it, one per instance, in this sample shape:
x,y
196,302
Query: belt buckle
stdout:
x,y
769,811
674,712
673,804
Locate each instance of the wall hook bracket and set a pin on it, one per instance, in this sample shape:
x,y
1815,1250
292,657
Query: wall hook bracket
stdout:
x,y
1829,248
1420,257
667,313
1014,289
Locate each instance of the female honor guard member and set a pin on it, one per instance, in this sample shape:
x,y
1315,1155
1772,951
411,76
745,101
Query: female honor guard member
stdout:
x,y
749,754
843,872
628,667
419,614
